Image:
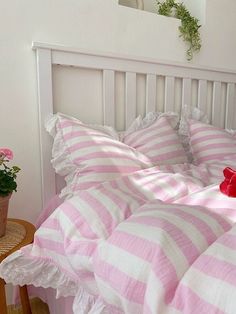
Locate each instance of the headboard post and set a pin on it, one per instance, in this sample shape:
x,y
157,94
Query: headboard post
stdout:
x,y
45,99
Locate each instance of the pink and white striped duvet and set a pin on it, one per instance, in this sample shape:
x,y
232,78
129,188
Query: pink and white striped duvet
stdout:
x,y
126,247
140,266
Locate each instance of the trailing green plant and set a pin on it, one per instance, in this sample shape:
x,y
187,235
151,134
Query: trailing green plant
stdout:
x,y
189,28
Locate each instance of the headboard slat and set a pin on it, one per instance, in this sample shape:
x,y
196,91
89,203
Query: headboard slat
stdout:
x,y
151,89
187,92
130,97
217,107
109,97
230,120
202,94
169,93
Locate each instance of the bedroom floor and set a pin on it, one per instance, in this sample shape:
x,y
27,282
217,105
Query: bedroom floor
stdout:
x,y
37,306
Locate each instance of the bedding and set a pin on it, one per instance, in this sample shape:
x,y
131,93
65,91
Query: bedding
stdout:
x,y
187,113
134,244
204,142
209,143
158,141
88,155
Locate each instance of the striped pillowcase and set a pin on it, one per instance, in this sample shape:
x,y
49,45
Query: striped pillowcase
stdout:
x,y
88,155
159,142
210,143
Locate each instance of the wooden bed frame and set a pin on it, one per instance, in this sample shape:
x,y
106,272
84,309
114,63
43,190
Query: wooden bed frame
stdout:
x,y
218,83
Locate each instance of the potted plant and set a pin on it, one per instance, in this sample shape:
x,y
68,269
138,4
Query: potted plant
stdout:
x,y
7,185
189,28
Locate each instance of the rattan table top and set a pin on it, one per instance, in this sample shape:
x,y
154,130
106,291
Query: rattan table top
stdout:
x,y
15,233
18,234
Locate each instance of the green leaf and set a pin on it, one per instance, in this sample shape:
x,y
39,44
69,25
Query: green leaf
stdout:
x,y
189,29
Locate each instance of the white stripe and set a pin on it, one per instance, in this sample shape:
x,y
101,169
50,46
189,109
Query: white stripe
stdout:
x,y
158,236
220,294
111,296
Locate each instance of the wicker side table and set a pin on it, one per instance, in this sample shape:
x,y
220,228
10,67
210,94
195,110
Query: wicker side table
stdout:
x,y
18,234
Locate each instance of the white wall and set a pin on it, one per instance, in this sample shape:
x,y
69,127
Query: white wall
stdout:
x,y
94,24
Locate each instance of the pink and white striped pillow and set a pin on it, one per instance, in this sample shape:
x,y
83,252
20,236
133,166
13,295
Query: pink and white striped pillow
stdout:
x,y
88,155
159,142
210,143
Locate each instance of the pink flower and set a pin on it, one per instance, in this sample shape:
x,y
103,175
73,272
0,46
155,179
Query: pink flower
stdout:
x,y
6,152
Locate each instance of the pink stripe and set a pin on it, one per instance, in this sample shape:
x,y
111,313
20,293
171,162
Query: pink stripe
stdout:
x,y
51,223
150,252
198,139
129,192
214,204
183,242
188,302
199,224
214,156
102,212
48,260
77,220
124,206
211,201
110,169
162,132
71,135
90,143
47,244
136,136
179,189
209,147
225,225
84,185
131,289
160,135
106,154
146,138
146,307
131,187
80,247
199,127
228,240
155,146
64,123
168,156
216,268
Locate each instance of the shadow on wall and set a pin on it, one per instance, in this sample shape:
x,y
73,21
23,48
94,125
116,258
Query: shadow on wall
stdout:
x,y
138,4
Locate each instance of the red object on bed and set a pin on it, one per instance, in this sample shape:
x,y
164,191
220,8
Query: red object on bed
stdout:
x,y
228,186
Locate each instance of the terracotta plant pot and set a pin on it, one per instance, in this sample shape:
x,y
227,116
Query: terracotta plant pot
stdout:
x,y
4,202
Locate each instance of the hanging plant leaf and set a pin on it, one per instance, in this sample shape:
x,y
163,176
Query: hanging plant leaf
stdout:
x,y
189,28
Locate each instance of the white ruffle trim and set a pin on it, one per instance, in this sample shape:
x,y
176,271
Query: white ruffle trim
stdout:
x,y
150,118
189,112
51,125
86,304
20,269
61,158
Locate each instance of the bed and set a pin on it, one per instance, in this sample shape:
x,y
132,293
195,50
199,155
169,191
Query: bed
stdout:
x,y
141,225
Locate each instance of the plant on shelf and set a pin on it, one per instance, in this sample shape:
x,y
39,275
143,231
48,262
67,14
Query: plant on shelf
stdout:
x,y
189,28
7,174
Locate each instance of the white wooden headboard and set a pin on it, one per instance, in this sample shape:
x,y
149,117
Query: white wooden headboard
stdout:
x,y
208,86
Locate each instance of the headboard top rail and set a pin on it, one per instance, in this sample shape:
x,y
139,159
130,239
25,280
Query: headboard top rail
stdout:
x,y
59,52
